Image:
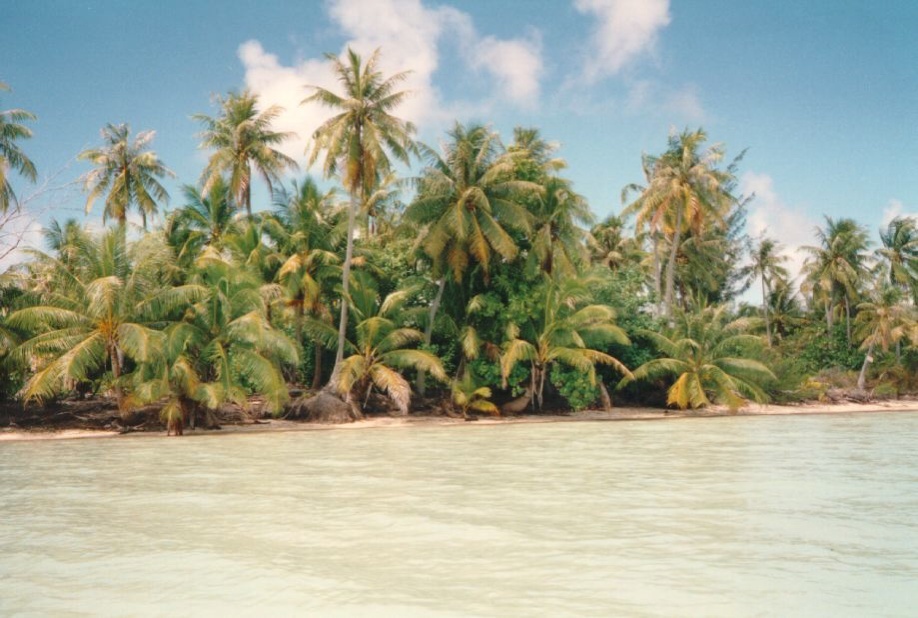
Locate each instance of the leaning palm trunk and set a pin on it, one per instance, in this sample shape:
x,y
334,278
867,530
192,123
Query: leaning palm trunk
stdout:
x,y
345,294
765,311
862,376
671,268
428,333
657,273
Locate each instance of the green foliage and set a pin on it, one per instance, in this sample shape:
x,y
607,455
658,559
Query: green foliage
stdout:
x,y
575,386
817,351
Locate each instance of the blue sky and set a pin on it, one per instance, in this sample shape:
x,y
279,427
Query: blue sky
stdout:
x,y
823,93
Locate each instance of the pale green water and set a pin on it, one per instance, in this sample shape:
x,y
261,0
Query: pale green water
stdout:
x,y
711,517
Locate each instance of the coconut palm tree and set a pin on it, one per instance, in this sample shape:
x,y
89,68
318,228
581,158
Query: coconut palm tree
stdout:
x,y
899,253
836,267
379,349
243,142
709,358
100,314
685,191
767,265
559,242
883,322
468,202
12,157
126,174
563,330
359,143
223,349
303,228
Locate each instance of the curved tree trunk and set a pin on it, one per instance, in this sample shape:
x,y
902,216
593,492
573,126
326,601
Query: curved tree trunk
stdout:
x,y
345,293
671,268
862,376
765,311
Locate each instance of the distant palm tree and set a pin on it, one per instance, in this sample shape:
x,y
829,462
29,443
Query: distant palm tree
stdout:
x,y
243,141
559,242
357,143
126,174
767,266
836,267
12,156
709,359
899,253
882,323
684,191
203,221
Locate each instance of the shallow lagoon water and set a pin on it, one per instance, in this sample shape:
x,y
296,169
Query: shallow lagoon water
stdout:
x,y
747,516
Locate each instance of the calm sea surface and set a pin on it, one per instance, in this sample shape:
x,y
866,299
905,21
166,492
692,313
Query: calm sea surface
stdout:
x,y
802,515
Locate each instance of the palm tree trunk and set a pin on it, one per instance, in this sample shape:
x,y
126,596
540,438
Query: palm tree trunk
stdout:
x,y
317,365
848,319
345,291
428,333
657,273
765,311
862,376
671,267
115,356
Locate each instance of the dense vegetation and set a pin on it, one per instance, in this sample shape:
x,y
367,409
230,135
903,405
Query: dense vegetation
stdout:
x,y
484,277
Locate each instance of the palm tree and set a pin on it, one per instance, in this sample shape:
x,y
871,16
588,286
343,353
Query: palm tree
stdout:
x,y
709,359
468,202
882,323
767,266
684,191
836,266
99,313
559,243
241,138
222,348
900,253
563,330
11,155
380,349
359,142
303,229
609,247
126,173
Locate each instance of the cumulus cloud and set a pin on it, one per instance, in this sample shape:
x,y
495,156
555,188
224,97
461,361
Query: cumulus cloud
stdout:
x,y
768,214
410,35
516,65
624,30
894,209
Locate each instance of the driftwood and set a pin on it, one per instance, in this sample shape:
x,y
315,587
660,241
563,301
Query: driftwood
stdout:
x,y
515,406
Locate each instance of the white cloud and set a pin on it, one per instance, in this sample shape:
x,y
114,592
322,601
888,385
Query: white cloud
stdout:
x,y
19,230
768,214
409,35
679,106
516,65
625,30
894,209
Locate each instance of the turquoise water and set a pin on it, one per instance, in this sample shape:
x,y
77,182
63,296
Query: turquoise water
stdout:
x,y
802,515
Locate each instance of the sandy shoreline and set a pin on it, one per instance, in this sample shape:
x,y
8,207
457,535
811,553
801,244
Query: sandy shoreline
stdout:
x,y
618,414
